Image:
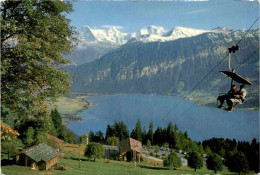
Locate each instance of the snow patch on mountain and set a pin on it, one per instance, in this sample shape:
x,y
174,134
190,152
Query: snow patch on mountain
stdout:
x,y
157,30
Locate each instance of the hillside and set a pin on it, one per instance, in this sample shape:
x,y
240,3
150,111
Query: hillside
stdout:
x,y
172,67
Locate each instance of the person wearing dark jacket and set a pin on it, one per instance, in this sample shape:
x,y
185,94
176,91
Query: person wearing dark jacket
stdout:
x,y
231,94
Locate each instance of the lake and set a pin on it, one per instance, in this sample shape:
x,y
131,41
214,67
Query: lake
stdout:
x,y
200,122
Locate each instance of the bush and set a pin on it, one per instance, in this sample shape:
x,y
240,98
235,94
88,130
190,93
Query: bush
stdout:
x,y
94,150
172,161
114,156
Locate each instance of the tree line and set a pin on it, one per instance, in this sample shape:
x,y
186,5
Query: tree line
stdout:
x,y
237,156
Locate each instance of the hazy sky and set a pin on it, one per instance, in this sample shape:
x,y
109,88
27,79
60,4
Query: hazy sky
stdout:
x,y
130,16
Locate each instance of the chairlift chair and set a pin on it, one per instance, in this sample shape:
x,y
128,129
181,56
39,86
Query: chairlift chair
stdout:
x,y
234,77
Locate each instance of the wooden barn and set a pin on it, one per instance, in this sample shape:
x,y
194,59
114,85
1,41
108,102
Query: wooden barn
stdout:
x,y
130,149
39,157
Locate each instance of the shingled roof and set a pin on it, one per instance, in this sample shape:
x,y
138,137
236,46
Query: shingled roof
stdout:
x,y
130,144
41,152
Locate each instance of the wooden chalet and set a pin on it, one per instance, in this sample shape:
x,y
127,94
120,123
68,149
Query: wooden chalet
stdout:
x,y
130,149
39,157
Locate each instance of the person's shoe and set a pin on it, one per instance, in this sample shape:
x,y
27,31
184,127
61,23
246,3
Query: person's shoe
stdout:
x,y
220,106
229,109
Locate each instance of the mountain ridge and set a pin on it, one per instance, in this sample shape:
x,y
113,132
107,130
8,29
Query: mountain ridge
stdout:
x,y
171,67
94,43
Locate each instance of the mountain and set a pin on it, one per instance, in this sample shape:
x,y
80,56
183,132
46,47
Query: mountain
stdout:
x,y
94,43
171,67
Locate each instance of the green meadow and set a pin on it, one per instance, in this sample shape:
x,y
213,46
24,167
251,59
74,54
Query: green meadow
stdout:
x,y
69,159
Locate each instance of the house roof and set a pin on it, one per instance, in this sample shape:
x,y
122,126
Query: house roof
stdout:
x,y
130,144
56,139
135,145
41,152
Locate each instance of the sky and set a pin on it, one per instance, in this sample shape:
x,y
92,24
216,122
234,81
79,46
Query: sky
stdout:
x,y
131,16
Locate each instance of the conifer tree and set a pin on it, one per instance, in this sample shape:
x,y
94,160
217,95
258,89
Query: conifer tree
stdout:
x,y
57,122
170,135
150,132
144,138
138,131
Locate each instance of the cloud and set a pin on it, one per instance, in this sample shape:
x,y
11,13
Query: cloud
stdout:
x,y
107,26
197,11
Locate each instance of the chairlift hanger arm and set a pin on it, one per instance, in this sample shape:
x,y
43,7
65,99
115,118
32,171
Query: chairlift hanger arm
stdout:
x,y
231,49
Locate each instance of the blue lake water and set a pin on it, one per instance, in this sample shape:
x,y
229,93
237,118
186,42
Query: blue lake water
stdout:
x,y
200,122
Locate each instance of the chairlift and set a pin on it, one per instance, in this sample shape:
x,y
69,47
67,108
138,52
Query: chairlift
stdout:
x,y
234,77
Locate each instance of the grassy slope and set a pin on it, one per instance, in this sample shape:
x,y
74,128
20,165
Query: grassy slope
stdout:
x,y
100,167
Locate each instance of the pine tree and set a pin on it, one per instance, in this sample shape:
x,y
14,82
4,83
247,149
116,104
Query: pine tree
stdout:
x,y
150,132
99,137
133,134
176,127
57,121
170,136
91,136
45,124
158,137
144,138
119,130
109,132
138,130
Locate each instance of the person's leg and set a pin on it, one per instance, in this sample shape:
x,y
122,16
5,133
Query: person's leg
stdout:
x,y
221,100
229,103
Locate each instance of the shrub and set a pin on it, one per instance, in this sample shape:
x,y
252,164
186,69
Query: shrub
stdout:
x,y
172,161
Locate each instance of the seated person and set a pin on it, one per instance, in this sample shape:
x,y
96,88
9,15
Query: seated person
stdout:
x,y
231,94
241,95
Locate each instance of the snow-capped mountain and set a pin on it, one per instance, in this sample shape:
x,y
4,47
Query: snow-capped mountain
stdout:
x,y
175,33
113,36
94,43
182,32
